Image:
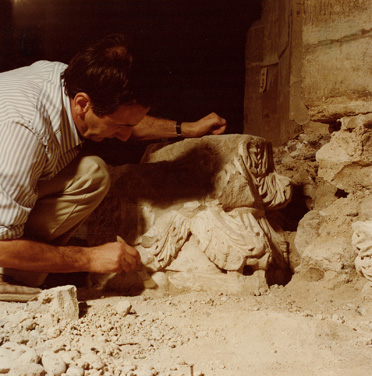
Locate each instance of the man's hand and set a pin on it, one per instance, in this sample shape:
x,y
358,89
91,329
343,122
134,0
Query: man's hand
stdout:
x,y
34,256
113,257
151,128
210,124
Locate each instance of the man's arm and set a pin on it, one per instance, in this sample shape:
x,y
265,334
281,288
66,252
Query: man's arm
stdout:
x,y
154,128
34,256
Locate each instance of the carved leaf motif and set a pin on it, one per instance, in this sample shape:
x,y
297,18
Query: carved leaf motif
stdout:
x,y
165,239
362,243
231,242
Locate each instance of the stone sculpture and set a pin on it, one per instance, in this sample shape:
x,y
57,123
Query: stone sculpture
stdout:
x,y
362,243
214,191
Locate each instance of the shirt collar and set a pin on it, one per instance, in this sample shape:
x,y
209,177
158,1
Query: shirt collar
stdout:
x,y
75,139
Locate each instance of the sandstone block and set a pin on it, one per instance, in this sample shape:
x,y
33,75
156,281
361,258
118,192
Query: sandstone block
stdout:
x,y
58,303
210,193
346,161
337,52
334,255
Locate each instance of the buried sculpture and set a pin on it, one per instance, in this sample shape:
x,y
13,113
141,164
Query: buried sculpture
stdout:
x,y
213,192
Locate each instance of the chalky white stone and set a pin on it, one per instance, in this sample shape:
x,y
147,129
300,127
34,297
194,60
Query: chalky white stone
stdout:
x,y
362,242
75,371
31,369
229,218
6,360
215,190
53,363
60,303
12,354
123,307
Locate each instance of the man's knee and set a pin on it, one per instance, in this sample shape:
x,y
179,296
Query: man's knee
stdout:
x,y
96,169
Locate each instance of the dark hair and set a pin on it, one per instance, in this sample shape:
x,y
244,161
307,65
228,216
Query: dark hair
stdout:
x,y
108,73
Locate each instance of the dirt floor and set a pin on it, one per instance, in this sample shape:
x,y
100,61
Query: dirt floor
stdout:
x,y
310,326
303,328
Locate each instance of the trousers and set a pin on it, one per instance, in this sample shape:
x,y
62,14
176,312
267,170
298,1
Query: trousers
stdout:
x,y
64,203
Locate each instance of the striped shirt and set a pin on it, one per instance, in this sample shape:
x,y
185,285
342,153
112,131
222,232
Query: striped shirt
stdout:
x,y
38,138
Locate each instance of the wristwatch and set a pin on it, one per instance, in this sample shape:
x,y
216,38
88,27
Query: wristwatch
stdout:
x,y
178,129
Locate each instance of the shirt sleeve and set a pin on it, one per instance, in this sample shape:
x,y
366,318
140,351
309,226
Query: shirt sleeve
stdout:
x,y
22,159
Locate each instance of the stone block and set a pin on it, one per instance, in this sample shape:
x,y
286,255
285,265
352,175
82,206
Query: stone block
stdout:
x,y
203,197
337,41
59,303
324,237
346,161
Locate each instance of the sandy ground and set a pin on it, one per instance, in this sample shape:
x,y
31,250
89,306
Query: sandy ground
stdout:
x,y
303,328
308,327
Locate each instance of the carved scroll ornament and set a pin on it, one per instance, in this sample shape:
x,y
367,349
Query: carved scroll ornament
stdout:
x,y
234,238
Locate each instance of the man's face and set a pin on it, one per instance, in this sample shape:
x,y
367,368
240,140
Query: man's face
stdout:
x,y
118,124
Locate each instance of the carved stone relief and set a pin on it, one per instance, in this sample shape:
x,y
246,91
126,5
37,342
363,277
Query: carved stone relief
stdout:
x,y
362,242
214,191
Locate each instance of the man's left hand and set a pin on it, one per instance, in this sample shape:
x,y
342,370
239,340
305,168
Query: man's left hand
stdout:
x,y
210,124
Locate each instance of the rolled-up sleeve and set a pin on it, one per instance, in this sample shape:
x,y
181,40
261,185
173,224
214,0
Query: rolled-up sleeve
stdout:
x,y
22,159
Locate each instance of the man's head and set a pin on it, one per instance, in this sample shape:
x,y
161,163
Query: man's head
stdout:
x,y
107,91
107,72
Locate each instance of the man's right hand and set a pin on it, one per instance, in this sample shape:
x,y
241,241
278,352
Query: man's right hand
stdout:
x,y
34,256
113,257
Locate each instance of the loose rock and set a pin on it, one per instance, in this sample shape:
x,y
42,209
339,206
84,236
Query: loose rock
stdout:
x,y
123,307
75,371
53,363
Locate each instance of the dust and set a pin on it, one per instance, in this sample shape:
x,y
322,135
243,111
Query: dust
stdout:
x,y
310,326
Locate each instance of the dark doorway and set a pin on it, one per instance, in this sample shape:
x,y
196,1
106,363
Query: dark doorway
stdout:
x,y
195,48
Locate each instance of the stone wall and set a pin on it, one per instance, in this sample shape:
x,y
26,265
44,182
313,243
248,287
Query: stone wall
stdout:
x,y
273,105
337,41
316,56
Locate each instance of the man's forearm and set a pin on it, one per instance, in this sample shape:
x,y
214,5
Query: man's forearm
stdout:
x,y
40,257
151,128
32,256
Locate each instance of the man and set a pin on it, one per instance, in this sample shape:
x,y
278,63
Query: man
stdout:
x,y
47,187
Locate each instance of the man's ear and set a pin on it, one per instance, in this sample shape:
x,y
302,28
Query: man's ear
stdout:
x,y
82,103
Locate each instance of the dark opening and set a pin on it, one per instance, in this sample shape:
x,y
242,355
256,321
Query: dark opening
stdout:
x,y
196,48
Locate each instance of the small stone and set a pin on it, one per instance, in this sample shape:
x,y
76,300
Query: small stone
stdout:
x,y
21,353
60,302
53,332
94,361
75,371
32,369
123,307
29,324
6,360
27,357
146,371
53,363
69,357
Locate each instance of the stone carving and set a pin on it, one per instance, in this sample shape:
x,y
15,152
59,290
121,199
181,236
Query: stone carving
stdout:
x,y
212,193
362,242
232,238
